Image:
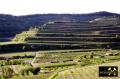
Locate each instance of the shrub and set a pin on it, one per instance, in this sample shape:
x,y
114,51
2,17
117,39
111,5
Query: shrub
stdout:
x,y
25,56
86,62
1,77
11,62
30,71
7,72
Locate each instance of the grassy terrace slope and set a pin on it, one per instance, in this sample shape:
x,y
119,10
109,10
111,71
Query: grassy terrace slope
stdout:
x,y
90,71
62,50
70,35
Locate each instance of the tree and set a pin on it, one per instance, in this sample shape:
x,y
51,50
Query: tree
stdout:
x,y
85,56
92,54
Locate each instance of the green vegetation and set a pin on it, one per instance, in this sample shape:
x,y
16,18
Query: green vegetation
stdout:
x,y
30,71
11,62
7,72
63,50
81,72
22,36
53,63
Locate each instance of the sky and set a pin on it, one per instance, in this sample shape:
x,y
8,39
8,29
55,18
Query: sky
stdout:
x,y
26,7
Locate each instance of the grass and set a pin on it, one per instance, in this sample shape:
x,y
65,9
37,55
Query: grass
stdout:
x,y
67,69
16,54
6,43
65,64
39,76
90,71
70,42
71,37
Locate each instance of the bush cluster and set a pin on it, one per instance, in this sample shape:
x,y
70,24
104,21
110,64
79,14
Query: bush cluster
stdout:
x,y
11,62
30,71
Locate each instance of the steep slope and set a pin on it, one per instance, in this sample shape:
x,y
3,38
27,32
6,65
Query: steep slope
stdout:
x,y
67,33
11,25
64,34
75,35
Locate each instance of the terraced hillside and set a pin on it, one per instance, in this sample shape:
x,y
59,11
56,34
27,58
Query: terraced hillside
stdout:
x,y
75,35
72,35
65,49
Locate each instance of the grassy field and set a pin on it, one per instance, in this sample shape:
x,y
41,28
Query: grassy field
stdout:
x,y
88,72
63,64
16,54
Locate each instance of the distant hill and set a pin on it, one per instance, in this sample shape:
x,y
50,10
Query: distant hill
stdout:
x,y
11,25
103,13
